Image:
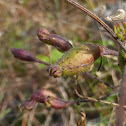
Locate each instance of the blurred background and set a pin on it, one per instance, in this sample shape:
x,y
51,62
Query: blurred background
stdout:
x,y
19,21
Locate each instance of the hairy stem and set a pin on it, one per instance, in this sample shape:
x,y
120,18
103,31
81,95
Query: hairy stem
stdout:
x,y
107,51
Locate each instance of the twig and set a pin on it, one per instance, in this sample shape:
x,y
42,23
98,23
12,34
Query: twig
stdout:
x,y
43,62
109,94
75,88
102,23
94,77
89,99
122,101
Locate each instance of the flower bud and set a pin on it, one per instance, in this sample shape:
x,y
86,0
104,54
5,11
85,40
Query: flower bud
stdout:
x,y
43,35
76,60
23,55
79,59
48,98
26,56
58,103
58,42
42,95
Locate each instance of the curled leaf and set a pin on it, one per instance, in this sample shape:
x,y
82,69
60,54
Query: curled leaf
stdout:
x,y
57,41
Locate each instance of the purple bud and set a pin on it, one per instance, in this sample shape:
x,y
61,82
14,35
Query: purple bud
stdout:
x,y
26,56
58,103
46,97
23,55
57,41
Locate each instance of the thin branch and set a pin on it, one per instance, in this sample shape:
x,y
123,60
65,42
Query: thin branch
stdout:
x,y
109,94
94,77
43,62
75,88
122,101
89,99
102,23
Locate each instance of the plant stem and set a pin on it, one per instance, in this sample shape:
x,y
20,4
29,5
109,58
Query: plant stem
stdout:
x,y
109,94
94,77
107,51
42,62
120,115
89,99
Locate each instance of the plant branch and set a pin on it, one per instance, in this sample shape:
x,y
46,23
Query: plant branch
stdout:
x,y
109,94
89,99
94,77
102,23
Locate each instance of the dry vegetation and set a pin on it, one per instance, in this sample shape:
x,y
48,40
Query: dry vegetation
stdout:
x,y
19,21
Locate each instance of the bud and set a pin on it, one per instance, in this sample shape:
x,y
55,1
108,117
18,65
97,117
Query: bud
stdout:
x,y
78,59
48,98
26,56
58,103
42,95
58,42
43,35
